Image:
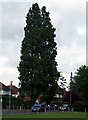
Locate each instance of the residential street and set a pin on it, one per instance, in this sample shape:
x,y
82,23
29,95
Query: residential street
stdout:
x,y
14,111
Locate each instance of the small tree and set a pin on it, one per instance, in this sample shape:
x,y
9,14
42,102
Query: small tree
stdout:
x,y
37,67
80,82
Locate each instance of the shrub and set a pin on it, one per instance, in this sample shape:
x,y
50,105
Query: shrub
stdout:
x,y
14,102
59,103
27,104
79,106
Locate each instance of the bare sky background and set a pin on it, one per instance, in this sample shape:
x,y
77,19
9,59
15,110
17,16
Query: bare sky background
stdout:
x,y
69,19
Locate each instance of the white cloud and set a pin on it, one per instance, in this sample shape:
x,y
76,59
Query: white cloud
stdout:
x,y
9,74
3,61
11,50
70,59
81,31
13,20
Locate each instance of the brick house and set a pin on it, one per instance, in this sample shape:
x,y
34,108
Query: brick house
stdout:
x,y
60,93
14,91
4,90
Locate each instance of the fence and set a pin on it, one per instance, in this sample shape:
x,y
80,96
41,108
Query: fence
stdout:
x,y
24,110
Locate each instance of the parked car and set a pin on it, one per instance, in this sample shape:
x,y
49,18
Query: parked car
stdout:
x,y
38,107
53,106
64,107
42,107
47,107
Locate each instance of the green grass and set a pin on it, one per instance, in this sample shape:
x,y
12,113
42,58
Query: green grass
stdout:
x,y
49,115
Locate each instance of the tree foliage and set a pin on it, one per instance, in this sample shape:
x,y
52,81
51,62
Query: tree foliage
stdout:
x,y
38,73
74,97
80,82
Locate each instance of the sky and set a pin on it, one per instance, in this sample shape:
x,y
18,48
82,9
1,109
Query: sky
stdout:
x,y
69,19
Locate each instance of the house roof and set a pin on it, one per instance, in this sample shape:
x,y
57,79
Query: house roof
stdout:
x,y
14,89
3,87
6,88
26,98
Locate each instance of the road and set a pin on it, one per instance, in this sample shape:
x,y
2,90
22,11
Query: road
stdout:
x,y
15,111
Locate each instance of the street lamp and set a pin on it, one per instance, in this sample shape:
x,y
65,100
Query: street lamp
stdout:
x,y
71,92
86,87
10,93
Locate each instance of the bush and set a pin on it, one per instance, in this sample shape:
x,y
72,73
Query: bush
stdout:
x,y
14,102
58,103
5,102
27,104
79,106
87,107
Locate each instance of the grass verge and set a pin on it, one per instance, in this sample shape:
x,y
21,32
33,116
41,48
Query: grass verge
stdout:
x,y
49,115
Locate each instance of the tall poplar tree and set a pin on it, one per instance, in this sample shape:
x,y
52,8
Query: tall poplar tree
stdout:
x,y
38,73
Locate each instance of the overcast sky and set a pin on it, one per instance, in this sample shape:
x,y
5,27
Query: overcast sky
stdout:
x,y
69,19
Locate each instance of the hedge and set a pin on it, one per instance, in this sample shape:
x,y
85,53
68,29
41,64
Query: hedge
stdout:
x,y
15,103
80,106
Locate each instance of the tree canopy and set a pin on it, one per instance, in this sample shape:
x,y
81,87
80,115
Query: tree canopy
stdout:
x,y
80,82
37,68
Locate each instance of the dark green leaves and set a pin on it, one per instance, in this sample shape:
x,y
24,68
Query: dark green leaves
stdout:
x,y
80,83
37,65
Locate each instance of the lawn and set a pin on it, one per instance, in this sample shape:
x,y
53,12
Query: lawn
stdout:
x,y
49,115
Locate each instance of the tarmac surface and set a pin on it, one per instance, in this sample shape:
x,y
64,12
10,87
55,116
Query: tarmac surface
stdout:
x,y
15,111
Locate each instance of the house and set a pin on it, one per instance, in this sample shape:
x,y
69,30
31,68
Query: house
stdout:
x,y
4,90
26,98
60,93
14,91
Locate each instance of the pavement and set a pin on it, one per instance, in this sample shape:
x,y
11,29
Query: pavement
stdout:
x,y
17,111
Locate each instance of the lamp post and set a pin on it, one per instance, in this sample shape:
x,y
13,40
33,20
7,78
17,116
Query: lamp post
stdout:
x,y
86,88
71,91
10,93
